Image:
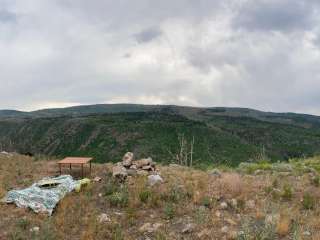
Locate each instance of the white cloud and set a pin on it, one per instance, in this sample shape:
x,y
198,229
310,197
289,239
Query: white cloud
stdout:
x,y
200,53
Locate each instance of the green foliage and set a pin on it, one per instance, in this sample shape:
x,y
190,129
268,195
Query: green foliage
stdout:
x,y
316,181
119,199
206,201
308,201
287,192
144,196
253,229
227,136
169,211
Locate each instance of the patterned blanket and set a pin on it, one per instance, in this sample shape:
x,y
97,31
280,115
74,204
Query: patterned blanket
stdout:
x,y
40,198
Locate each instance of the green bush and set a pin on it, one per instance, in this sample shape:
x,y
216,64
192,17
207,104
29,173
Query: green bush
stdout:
x,y
206,201
316,181
287,192
111,186
308,201
119,199
169,211
144,196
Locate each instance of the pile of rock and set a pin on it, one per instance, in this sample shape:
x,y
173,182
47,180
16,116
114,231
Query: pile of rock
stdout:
x,y
129,167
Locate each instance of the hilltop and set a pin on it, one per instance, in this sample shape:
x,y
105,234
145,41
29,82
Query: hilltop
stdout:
x,y
221,135
254,201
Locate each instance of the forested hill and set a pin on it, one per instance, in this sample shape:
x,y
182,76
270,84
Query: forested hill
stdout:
x,y
221,135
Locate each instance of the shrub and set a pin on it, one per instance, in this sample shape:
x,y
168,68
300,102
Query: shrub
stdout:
x,y
119,199
206,201
176,194
308,201
316,181
287,192
111,186
169,211
144,196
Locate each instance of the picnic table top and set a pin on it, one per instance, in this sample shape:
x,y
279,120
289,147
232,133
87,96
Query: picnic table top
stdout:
x,y
75,160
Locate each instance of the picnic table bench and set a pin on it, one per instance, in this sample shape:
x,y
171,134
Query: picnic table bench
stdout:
x,y
75,161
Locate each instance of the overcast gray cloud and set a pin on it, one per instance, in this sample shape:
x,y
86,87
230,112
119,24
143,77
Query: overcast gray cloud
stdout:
x,y
262,54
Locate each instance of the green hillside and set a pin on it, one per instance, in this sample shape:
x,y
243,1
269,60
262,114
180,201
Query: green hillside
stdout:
x,y
221,135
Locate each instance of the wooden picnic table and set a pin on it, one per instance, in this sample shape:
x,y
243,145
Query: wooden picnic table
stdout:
x,y
75,161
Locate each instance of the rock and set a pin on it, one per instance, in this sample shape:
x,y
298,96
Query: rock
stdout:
x,y
233,235
306,233
143,162
231,222
119,172
131,172
134,167
103,218
234,203
100,194
204,233
250,204
223,205
142,173
127,159
97,179
150,228
189,228
225,229
258,172
35,229
218,214
147,168
154,179
272,219
215,172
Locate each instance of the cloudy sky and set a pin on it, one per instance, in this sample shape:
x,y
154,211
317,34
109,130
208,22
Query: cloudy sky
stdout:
x,y
262,54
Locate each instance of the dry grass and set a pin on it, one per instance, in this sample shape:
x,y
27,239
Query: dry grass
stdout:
x,y
187,196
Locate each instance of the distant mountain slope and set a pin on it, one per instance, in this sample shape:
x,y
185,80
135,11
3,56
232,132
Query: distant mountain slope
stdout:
x,y
227,135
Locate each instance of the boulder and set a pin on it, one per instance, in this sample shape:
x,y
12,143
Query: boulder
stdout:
x,y
119,172
154,179
103,218
127,159
143,162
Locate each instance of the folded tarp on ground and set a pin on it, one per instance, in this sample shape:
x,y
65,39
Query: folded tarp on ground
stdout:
x,y
44,195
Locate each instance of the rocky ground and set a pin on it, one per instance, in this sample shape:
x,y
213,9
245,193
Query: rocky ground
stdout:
x,y
255,201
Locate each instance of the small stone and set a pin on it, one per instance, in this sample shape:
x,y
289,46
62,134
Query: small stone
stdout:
x,y
127,159
119,172
154,179
306,233
103,218
272,219
97,179
35,229
215,172
145,227
100,194
224,229
234,203
231,222
148,168
250,204
142,173
189,228
204,233
131,172
223,205
232,235
143,162
218,214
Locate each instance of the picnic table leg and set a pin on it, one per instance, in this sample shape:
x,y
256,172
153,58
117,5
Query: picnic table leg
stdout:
x,y
82,169
70,168
60,168
90,168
